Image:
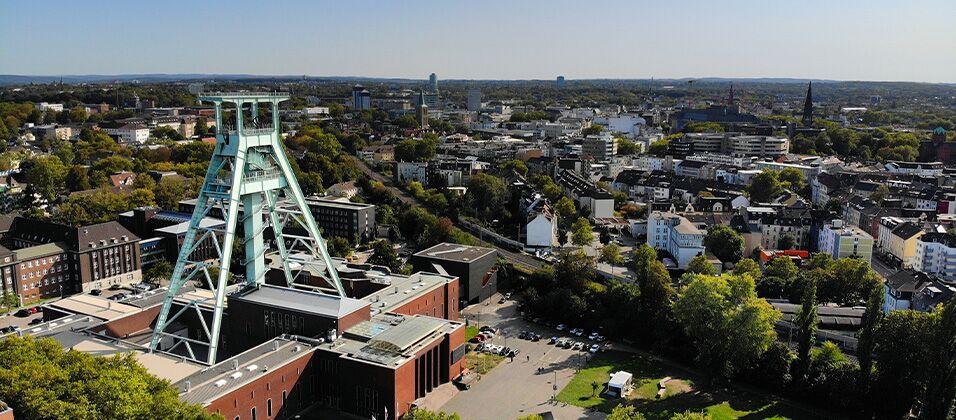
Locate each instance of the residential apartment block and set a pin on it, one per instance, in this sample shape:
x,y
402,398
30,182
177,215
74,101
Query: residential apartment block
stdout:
x,y
676,235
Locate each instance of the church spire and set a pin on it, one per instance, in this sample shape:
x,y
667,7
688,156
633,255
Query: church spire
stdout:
x,y
808,107
730,99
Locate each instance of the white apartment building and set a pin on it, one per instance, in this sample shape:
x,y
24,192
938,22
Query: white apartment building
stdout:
x,y
676,235
44,107
936,255
840,241
601,147
130,133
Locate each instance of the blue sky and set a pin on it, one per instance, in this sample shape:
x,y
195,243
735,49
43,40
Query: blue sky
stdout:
x,y
485,39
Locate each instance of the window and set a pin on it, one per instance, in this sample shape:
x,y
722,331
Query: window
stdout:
x,y
269,407
253,413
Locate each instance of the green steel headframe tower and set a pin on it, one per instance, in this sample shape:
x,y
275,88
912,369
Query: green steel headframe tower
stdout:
x,y
249,181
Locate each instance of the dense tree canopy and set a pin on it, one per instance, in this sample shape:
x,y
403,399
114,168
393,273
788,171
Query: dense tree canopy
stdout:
x,y
41,380
730,327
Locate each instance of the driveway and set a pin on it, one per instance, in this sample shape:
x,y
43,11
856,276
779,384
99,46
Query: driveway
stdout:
x,y
517,387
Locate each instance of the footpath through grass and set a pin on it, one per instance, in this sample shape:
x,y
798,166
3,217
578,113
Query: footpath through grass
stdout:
x,y
685,391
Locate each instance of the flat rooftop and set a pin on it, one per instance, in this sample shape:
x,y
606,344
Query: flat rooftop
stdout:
x,y
102,308
305,301
337,203
401,289
211,383
455,252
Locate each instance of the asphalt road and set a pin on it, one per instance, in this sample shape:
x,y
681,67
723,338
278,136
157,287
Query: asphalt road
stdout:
x,y
514,257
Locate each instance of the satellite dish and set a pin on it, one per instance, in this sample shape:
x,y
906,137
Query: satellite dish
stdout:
x,y
195,88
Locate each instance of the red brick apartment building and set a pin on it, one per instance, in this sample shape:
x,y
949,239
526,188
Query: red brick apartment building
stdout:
x,y
40,260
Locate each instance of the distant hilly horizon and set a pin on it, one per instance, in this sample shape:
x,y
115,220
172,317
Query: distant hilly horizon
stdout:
x,y
12,79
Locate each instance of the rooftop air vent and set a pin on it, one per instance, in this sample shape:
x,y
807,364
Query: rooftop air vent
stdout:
x,y
220,383
236,375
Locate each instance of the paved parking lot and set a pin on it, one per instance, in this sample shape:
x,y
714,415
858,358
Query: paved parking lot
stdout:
x,y
517,388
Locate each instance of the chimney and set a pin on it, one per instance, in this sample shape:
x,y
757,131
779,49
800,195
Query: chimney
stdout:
x,y
235,364
275,346
187,386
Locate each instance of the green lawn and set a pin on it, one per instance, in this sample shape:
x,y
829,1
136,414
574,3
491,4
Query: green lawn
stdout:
x,y
482,362
470,332
684,391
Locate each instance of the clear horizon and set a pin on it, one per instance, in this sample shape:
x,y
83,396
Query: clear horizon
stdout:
x,y
849,41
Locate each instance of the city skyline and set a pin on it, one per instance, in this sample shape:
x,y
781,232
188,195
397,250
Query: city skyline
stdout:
x,y
532,40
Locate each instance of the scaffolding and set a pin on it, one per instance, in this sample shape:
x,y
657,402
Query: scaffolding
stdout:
x,y
249,181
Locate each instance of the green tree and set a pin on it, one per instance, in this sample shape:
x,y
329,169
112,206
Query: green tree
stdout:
x,y
418,413
882,192
750,267
729,325
656,299
691,415
581,232
169,192
764,187
848,281
46,175
901,366
487,195
701,265
806,322
78,179
8,300
625,412
566,211
42,380
514,165
725,243
339,247
627,147
787,242
384,254
868,327
941,385
611,255
159,271
792,179
643,256
782,267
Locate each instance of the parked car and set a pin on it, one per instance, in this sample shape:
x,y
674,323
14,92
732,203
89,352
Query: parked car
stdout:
x,y
560,327
536,337
568,344
35,309
523,335
36,321
513,352
553,340
477,339
96,292
577,346
23,312
508,295
594,348
115,287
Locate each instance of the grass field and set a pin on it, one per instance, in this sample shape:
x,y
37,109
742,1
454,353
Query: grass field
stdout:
x,y
470,332
685,391
482,362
